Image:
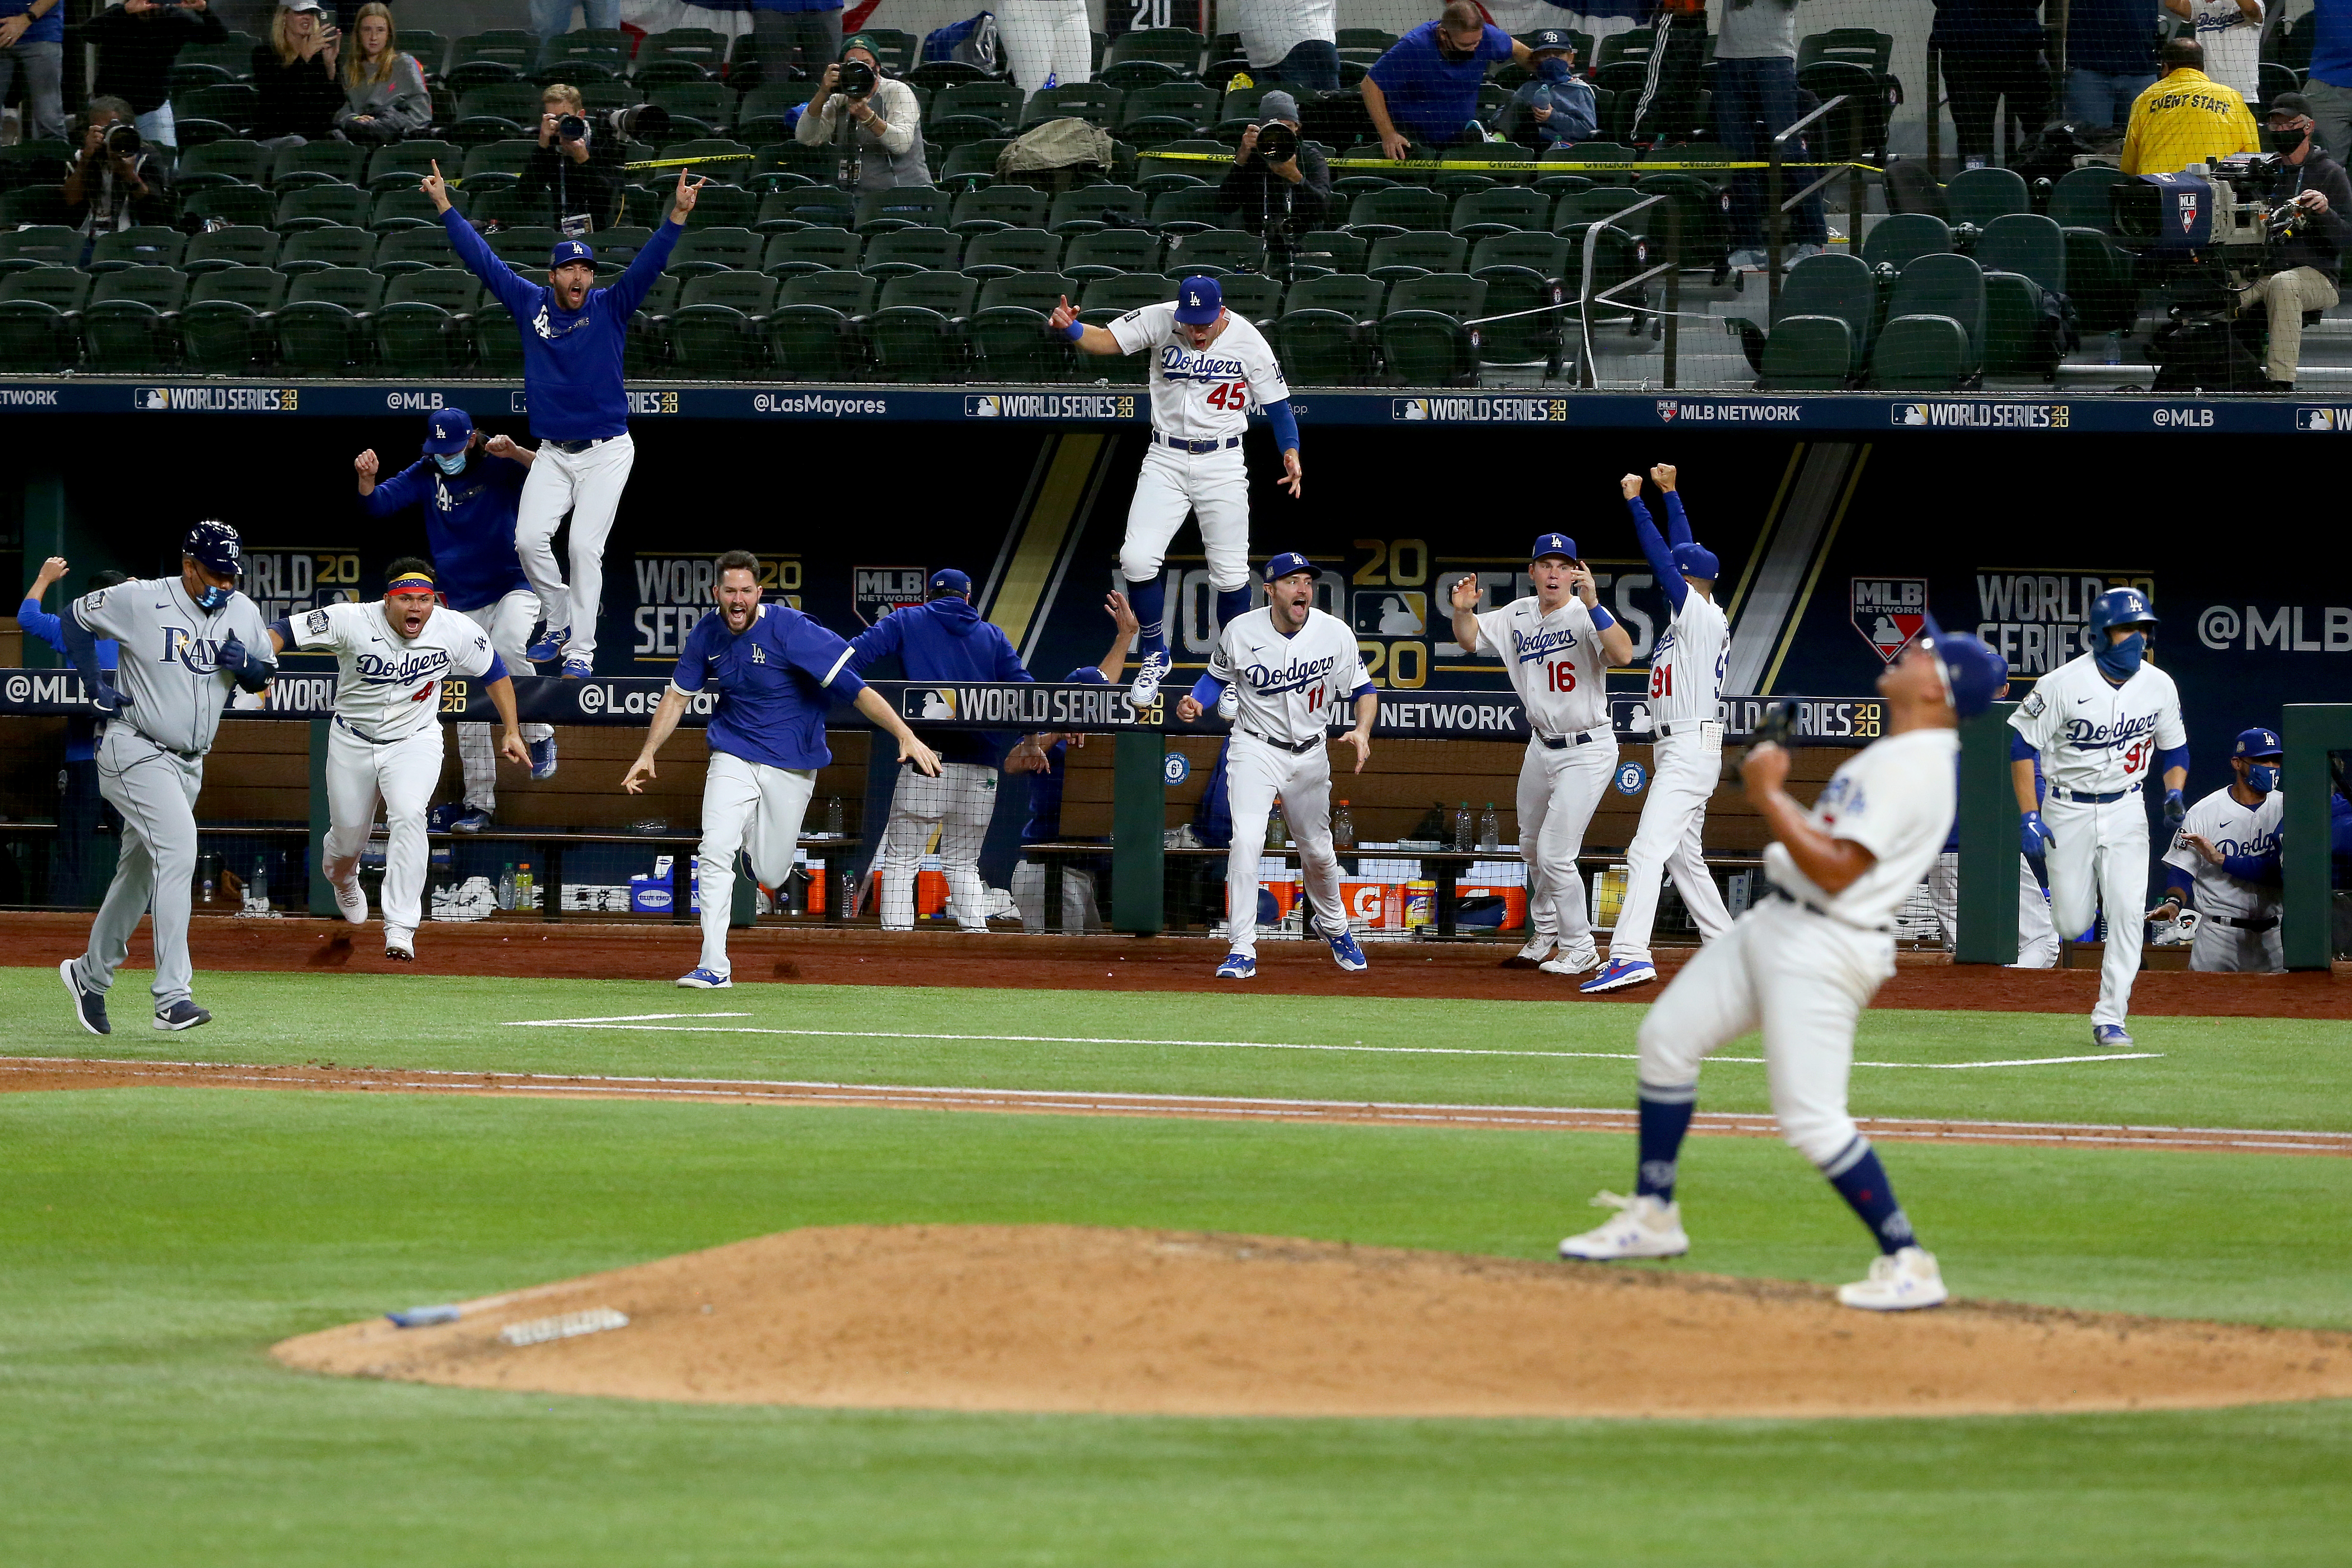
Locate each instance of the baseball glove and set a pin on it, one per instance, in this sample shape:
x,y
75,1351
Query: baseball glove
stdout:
x,y
1779,721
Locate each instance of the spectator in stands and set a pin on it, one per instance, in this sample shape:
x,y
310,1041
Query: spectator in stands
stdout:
x,y
136,45
2187,117
1291,43
1047,43
1424,91
1555,107
1041,757
33,38
2231,32
294,71
573,184
2328,86
2110,58
888,122
1756,98
81,813
385,97
1280,200
108,190
810,26
1995,70
552,18
1667,108
2304,268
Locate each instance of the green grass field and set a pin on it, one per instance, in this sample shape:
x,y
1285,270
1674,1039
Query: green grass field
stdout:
x,y
154,1243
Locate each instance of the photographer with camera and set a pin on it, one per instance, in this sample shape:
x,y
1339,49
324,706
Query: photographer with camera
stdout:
x,y
887,120
2304,261
294,71
137,42
574,177
115,181
1280,184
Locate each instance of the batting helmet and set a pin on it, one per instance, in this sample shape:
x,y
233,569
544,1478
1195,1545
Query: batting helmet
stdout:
x,y
2120,607
217,546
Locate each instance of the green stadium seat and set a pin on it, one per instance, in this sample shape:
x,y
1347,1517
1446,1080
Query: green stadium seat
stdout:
x,y
618,245
706,250
498,165
405,250
895,49
1179,48
719,329
719,158
704,49
1544,254
1948,286
207,65
147,246
937,76
214,113
239,247
49,245
1091,102
1807,354
323,328
646,351
1190,210
131,322
1899,238
1398,209
696,108
2080,200
1010,251
1835,286
1922,353
1423,342
232,205
423,326
1212,253
41,163
970,165
1513,292
234,162
1326,333
973,111
917,329
1008,333
313,249
1579,210
1108,252
500,55
1506,209
1705,233
1979,196
1397,257
809,250
804,206
1326,250
814,334
781,164
40,320
1170,111
524,248
400,166
1085,209
720,206
497,347
998,207
500,111
317,163
904,252
430,48
1252,296
905,206
765,113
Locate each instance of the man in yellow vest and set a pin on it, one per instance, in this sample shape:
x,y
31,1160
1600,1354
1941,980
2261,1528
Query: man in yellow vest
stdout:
x,y
2185,118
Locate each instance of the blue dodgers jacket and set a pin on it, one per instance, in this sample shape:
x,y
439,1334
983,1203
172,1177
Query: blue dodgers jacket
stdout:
x,y
944,640
469,522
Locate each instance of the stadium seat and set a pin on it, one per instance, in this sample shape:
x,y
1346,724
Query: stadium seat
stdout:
x,y
1323,250
2029,316
1010,251
895,49
311,249
317,163
1422,340
1252,296
719,327
918,326
403,251
525,249
682,54
1922,353
646,351
973,112
1948,286
1900,238
706,250
423,326
129,322
497,165
814,332
150,244
1108,252
720,206
409,208
214,113
40,206
1212,253
1398,209
40,320
1544,254
232,205
1086,209
1008,333
239,247
1170,111
50,245
321,206
906,206
1397,257
500,112
498,55
941,75
906,251
1838,287
1578,210
1979,196
205,65
997,207
1178,49
2079,199
696,108
430,48
323,327
1513,290
560,57
769,114
400,166
811,251
1091,102
725,159
804,206
1506,209
1188,210
234,161
617,246
1326,333
1807,353
970,165
1698,210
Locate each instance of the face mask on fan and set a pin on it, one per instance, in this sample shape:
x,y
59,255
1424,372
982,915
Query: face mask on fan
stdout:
x,y
1552,69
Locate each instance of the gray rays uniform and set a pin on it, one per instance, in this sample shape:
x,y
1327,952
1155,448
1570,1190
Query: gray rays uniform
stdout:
x,y
151,761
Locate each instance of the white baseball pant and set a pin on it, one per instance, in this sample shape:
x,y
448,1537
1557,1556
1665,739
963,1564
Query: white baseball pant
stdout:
x,y
155,790
588,485
1212,485
1558,792
2099,859
1684,769
1803,979
757,809
402,773
1255,772
2220,947
508,623
2037,939
1046,37
959,804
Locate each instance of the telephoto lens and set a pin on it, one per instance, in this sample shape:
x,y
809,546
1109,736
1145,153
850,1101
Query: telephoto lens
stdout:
x,y
856,79
571,128
1276,143
122,139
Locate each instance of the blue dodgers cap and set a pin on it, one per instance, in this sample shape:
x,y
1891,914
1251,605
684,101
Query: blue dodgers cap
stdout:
x,y
1553,544
1697,561
1550,38
217,546
1199,302
1972,670
569,250
2258,742
1284,564
948,580
450,430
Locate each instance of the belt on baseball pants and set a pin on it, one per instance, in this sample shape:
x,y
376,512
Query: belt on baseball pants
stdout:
x,y
2270,924
1196,447
1774,890
1580,738
2081,798
579,446
354,730
1300,750
1685,727
161,746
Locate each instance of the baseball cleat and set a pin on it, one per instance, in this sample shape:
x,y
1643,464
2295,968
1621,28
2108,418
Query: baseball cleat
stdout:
x,y
1900,1282
1237,966
578,669
1644,1227
457,818
89,1006
705,980
402,948
1144,690
180,1015
1229,704
543,758
549,646
1346,953
350,899
1618,975
1573,962
1534,954
2109,1034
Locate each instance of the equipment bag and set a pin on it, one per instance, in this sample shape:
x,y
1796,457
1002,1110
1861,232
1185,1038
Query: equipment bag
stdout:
x,y
972,42
1059,147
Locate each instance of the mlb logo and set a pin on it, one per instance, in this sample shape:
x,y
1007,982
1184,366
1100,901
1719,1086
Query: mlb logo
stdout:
x,y
2188,211
1415,408
1908,414
2315,419
1391,613
984,407
1888,612
1668,408
154,399
929,703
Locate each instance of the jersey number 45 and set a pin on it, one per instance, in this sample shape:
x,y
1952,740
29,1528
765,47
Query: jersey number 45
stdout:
x,y
1230,394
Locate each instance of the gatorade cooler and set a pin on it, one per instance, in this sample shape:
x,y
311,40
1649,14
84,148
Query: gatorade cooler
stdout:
x,y
931,889
1515,901
1373,906
1609,896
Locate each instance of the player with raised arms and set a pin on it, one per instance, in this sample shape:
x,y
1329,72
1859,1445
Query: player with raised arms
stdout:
x,y
1803,963
391,658
1207,365
1556,646
1686,758
1288,662
2102,721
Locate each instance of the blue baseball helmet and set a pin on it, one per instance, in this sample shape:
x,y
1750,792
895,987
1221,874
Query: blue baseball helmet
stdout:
x,y
948,580
217,546
2120,607
1199,302
450,430
2258,742
569,250
1284,564
1973,672
1697,561
1553,544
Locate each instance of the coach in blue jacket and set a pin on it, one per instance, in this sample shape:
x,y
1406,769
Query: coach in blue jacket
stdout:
x,y
945,640
81,810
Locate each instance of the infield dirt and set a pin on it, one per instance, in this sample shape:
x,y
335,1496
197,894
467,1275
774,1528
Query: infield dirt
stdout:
x,y
1064,1318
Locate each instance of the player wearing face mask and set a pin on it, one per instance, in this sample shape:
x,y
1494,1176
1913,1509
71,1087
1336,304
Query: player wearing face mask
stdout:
x,y
469,489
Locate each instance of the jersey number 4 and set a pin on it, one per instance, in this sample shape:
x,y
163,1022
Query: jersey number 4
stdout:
x,y
1230,394
1559,676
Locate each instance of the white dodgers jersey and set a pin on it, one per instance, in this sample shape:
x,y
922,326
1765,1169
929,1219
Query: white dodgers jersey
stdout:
x,y
389,689
2099,739
1895,797
1687,665
1287,684
2232,829
1554,663
1202,394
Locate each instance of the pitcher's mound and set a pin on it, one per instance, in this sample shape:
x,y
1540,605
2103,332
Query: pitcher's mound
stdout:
x,y
1059,1318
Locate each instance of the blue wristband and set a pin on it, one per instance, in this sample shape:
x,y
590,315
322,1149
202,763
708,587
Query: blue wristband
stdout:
x,y
1602,619
1074,330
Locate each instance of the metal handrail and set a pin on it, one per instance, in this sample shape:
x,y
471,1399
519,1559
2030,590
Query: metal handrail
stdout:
x,y
1779,208
1586,299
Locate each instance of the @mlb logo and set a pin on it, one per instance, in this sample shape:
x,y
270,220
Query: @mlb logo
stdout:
x,y
2315,419
984,407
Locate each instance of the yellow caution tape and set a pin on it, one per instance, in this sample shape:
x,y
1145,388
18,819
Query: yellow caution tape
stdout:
x,y
1554,166
682,162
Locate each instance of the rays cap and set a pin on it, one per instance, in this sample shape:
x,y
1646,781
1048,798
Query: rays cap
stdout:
x,y
1546,39
1697,561
947,580
1553,544
2258,742
1199,302
567,251
1972,670
215,546
450,430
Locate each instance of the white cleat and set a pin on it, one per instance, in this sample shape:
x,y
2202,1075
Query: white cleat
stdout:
x,y
1644,1227
1900,1282
1573,962
400,946
351,901
1144,690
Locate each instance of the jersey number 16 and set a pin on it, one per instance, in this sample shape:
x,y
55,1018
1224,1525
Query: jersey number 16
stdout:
x,y
1559,676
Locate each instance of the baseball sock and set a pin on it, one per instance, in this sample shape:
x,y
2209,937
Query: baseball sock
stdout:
x,y
1862,1181
1666,1118
1148,599
1233,604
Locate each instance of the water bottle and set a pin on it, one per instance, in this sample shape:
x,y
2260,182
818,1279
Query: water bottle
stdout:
x,y
526,896
1461,827
1343,827
257,892
833,817
1277,832
507,886
2114,348
1490,831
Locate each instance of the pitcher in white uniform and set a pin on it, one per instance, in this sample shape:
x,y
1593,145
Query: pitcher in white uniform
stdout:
x,y
1686,756
386,739
1556,646
2224,864
1289,663
2103,722
1208,365
1803,963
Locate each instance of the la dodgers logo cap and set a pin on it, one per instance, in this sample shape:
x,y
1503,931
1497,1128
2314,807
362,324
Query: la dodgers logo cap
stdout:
x,y
1553,544
1199,302
1284,564
450,430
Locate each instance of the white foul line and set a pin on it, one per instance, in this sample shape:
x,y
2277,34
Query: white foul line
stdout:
x,y
648,1022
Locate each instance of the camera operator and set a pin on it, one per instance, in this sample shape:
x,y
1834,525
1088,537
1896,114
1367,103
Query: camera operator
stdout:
x,y
574,177
887,121
115,181
2303,265
1280,183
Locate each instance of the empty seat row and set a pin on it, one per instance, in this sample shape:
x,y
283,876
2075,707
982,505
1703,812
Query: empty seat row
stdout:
x,y
1940,322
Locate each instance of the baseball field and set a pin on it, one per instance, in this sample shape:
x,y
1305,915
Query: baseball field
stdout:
x,y
357,1142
